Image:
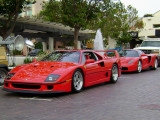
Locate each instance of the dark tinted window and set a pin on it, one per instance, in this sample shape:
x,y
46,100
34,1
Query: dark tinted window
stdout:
x,y
129,53
63,56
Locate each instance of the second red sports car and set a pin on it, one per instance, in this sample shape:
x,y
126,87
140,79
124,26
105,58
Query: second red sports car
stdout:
x,y
136,60
63,71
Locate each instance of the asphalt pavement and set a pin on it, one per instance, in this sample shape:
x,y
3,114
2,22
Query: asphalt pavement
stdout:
x,y
135,96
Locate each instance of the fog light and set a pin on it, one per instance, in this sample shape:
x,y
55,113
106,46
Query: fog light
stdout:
x,y
50,87
6,84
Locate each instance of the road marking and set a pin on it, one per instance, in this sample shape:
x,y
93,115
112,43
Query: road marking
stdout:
x,y
35,98
123,77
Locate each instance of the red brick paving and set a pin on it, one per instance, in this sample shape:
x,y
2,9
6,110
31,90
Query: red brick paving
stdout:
x,y
134,97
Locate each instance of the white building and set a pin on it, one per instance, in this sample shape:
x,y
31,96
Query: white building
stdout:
x,y
151,26
33,9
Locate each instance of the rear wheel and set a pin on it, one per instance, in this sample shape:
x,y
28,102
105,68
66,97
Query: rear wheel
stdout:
x,y
114,74
3,74
77,81
155,64
139,66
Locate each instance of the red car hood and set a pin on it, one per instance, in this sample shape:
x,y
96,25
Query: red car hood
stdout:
x,y
125,60
38,72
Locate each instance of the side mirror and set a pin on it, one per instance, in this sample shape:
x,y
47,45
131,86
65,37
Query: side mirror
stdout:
x,y
34,60
143,55
89,61
105,54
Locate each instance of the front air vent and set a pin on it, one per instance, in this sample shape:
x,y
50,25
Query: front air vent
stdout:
x,y
101,64
23,86
124,68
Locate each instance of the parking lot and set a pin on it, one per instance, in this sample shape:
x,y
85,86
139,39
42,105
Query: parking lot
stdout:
x,y
134,97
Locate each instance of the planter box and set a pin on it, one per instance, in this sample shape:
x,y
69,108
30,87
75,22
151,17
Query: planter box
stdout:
x,y
18,60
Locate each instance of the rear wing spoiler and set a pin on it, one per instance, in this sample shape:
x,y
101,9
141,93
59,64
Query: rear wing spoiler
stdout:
x,y
108,53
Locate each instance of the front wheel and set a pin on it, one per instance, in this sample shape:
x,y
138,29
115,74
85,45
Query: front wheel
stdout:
x,y
3,74
77,81
114,74
139,67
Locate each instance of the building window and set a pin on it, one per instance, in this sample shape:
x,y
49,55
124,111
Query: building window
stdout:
x,y
156,25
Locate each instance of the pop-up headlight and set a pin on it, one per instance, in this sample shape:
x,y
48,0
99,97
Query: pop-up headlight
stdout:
x,y
52,78
9,76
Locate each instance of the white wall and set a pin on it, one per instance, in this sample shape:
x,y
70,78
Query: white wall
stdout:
x,y
111,44
18,60
148,29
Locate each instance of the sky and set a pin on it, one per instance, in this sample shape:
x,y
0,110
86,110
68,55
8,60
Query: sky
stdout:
x,y
143,6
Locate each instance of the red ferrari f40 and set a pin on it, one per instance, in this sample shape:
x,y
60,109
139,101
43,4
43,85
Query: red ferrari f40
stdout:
x,y
64,71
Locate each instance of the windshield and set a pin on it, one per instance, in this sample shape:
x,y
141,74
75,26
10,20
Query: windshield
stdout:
x,y
63,56
129,53
151,43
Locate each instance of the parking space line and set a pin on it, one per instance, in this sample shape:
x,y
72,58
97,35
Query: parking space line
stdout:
x,y
35,98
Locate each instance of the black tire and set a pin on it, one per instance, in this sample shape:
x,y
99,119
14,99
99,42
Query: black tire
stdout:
x,y
114,74
3,74
139,66
155,64
77,81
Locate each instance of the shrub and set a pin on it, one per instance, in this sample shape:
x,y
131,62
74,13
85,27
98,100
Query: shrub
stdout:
x,y
27,60
16,52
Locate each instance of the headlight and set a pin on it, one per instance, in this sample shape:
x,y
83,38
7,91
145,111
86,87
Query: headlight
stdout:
x,y
155,51
52,78
9,76
130,61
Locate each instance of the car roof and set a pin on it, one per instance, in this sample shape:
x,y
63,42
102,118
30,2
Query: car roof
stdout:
x,y
132,49
77,50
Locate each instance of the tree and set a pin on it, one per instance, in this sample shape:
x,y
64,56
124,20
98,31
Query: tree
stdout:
x,y
10,9
116,21
129,23
78,14
148,15
139,24
132,16
74,13
51,11
112,17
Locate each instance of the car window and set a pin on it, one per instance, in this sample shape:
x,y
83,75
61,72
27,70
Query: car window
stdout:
x,y
91,55
63,56
83,59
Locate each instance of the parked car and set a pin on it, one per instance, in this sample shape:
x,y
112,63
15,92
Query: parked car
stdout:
x,y
63,71
3,65
137,60
34,52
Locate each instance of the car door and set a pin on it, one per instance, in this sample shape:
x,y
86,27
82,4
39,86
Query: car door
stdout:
x,y
144,58
145,61
95,71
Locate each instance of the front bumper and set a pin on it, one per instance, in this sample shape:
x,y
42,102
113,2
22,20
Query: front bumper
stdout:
x,y
31,91
129,68
37,88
